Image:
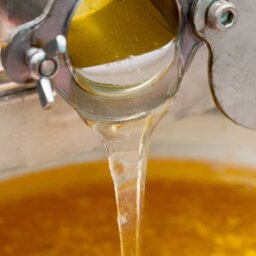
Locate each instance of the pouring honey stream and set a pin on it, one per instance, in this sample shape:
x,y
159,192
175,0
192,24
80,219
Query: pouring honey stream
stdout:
x,y
118,46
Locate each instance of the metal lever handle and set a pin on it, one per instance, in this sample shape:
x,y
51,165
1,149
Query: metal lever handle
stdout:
x,y
232,55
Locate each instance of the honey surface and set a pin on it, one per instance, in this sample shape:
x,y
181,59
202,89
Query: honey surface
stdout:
x,y
191,209
104,31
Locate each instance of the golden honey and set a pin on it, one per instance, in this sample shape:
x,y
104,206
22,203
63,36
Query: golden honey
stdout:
x,y
105,31
191,208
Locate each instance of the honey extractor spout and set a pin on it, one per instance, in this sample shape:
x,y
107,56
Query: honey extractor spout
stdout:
x,y
135,72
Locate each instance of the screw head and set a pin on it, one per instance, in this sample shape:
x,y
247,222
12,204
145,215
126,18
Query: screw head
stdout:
x,y
222,15
48,67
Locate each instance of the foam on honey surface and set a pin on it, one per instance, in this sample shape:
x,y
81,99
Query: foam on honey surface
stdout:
x,y
191,208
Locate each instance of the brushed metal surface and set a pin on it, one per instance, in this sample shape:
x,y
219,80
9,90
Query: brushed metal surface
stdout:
x,y
232,67
14,13
18,12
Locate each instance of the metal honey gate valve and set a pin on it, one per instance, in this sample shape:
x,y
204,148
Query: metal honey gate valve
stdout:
x,y
36,53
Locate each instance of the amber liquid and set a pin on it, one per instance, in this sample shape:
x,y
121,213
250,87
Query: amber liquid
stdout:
x,y
191,208
104,31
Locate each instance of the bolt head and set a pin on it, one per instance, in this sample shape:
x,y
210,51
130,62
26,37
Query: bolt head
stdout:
x,y
48,68
40,64
222,15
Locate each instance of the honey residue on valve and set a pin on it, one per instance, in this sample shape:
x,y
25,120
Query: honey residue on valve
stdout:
x,y
191,208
